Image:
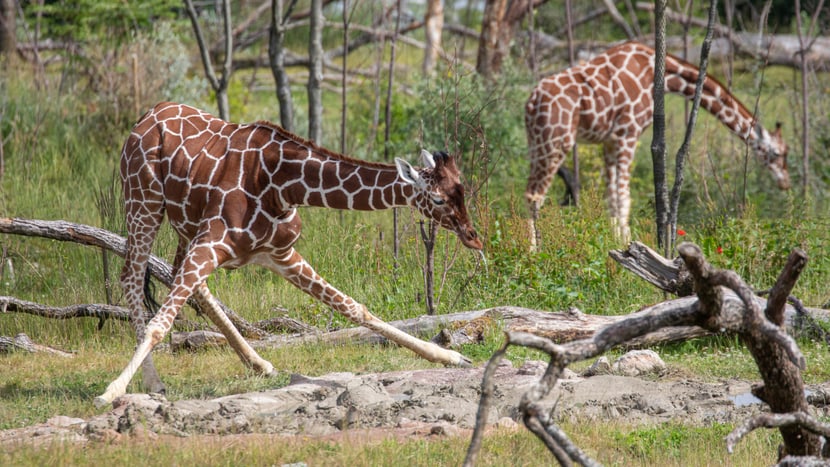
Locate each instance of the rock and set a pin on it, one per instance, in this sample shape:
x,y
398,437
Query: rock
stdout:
x,y
507,423
600,367
639,363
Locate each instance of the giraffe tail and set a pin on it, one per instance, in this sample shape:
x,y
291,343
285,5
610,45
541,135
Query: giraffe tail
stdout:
x,y
150,302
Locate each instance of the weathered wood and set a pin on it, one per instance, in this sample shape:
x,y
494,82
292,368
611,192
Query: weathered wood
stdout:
x,y
24,343
101,238
559,327
196,340
668,275
87,310
725,304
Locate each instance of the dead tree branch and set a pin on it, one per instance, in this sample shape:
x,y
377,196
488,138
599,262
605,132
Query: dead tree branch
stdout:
x,y
23,342
777,420
101,238
777,356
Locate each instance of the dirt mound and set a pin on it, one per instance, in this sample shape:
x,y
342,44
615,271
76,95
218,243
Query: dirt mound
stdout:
x,y
437,400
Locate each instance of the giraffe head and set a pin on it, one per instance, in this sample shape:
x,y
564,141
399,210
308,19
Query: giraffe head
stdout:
x,y
772,150
439,194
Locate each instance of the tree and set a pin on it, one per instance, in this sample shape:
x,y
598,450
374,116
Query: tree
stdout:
x,y
220,84
276,56
315,71
433,26
658,142
498,26
8,38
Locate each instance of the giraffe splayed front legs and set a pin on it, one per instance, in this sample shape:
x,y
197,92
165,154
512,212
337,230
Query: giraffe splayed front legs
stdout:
x,y
230,191
608,101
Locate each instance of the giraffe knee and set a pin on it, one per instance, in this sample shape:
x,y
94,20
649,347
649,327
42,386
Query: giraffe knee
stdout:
x,y
155,334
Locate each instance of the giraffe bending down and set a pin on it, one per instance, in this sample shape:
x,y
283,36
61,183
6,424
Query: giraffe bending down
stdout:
x,y
608,100
231,191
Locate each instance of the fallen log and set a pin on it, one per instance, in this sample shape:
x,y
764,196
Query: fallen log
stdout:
x,y
88,310
559,327
101,238
24,343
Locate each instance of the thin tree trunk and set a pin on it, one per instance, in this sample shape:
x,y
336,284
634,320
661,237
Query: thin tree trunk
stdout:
x,y
429,267
276,56
315,71
343,78
488,40
380,46
683,152
658,143
805,95
618,19
572,188
433,26
219,84
387,132
8,28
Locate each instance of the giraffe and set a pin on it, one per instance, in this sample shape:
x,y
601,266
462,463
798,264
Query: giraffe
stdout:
x,y
231,192
608,101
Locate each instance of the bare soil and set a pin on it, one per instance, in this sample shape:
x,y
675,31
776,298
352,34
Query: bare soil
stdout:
x,y
422,402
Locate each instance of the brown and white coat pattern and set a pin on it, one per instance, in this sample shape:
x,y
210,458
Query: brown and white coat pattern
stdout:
x,y
231,191
608,101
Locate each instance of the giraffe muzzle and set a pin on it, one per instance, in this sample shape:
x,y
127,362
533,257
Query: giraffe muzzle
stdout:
x,y
469,238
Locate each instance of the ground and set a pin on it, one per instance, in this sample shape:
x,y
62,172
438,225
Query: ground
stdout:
x,y
406,403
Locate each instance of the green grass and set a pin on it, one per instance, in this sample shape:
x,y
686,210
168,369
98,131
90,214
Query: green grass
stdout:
x,y
610,443
61,155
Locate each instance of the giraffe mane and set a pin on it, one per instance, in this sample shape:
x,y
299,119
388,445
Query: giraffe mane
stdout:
x,y
314,147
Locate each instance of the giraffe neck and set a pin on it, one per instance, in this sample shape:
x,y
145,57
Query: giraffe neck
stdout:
x,y
322,179
681,78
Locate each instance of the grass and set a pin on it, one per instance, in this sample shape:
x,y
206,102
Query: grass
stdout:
x,y
61,157
612,444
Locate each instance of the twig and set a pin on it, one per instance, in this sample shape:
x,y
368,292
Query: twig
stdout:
x,y
483,406
777,420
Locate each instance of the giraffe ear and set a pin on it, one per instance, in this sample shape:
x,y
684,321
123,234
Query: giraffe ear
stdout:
x,y
427,159
408,173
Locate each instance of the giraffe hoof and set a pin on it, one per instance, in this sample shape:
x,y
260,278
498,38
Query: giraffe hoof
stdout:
x,y
461,361
100,402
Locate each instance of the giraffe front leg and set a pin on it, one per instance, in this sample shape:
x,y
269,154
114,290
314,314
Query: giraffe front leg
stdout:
x,y
296,270
183,285
246,353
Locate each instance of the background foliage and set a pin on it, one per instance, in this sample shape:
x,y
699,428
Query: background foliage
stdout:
x,y
62,127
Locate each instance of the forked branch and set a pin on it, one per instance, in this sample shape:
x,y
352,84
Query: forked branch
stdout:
x,y
777,355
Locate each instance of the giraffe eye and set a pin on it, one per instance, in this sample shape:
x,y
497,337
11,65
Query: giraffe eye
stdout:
x,y
437,200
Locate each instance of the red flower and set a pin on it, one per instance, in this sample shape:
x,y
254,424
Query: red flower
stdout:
x,y
681,232
720,250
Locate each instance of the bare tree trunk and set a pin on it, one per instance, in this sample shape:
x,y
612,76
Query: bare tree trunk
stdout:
x,y
315,71
501,19
343,80
8,28
276,56
433,27
683,152
572,188
618,19
488,40
658,142
220,84
805,95
429,267
387,131
378,23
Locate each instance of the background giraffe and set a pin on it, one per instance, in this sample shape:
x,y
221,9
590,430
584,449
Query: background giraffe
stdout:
x,y
608,100
231,191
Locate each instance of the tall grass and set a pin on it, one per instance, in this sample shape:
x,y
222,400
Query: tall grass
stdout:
x,y
61,156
